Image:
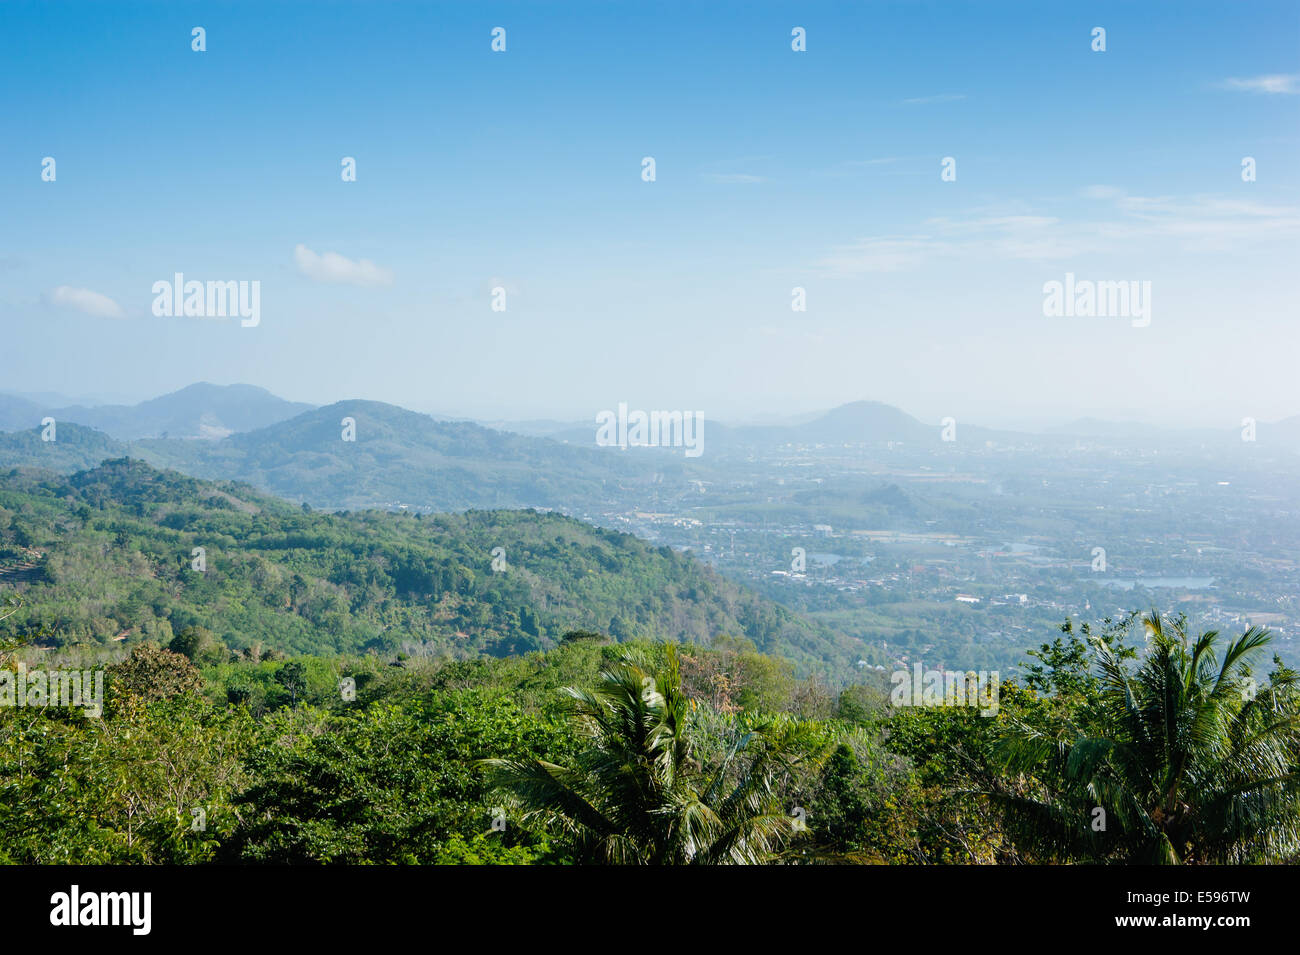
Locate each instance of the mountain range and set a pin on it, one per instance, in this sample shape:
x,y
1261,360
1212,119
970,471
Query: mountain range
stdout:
x,y
199,411
358,454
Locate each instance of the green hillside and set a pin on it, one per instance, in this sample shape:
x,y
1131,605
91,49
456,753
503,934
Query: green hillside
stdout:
x,y
107,554
75,448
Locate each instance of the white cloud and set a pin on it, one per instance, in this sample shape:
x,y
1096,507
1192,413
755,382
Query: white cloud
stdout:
x,y
1273,83
1141,223
1207,223
940,98
734,177
883,254
84,300
334,268
857,167
982,224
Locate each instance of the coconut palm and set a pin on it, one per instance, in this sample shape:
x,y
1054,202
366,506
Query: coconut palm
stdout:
x,y
666,780
1187,758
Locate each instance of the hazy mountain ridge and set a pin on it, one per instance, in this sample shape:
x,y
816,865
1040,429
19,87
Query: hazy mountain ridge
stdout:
x,y
204,410
201,410
867,423
404,458
397,456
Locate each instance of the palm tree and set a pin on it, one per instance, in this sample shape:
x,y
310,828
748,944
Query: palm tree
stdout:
x,y
1182,757
666,780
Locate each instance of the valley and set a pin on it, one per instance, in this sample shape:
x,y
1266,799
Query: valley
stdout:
x,y
916,549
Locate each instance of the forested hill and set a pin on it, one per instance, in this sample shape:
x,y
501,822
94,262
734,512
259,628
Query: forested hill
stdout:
x,y
108,554
75,447
394,456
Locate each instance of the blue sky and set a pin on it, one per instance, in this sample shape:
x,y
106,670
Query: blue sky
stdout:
x,y
774,169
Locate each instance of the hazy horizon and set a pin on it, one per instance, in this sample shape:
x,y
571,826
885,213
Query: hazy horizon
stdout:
x,y
756,418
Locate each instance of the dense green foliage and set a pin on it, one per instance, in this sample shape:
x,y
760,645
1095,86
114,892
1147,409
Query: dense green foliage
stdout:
x,y
110,554
389,774
645,753
1187,757
664,781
